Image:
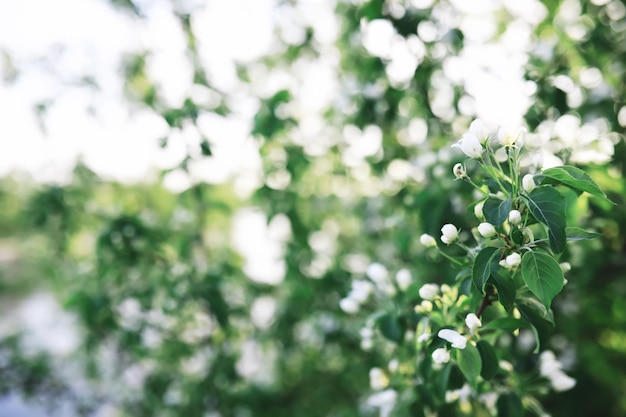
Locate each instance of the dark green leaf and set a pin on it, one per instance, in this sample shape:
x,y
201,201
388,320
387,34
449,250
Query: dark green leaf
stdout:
x,y
470,363
488,358
575,178
548,207
575,233
510,405
543,276
540,319
506,289
496,211
390,328
481,269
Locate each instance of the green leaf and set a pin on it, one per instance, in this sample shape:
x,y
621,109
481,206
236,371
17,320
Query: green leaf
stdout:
x,y
576,233
507,291
575,178
541,320
505,323
496,211
470,363
543,276
488,358
548,207
481,269
510,405
390,328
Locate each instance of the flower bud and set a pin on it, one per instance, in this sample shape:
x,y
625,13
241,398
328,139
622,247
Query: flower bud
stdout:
x,y
528,183
459,171
565,267
349,305
478,210
487,230
424,307
441,355
473,322
449,233
511,261
515,217
428,241
378,379
403,279
429,291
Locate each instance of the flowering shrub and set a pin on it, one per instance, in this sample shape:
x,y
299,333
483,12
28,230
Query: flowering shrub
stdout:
x,y
509,272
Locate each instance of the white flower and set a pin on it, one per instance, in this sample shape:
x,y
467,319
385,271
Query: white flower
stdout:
x,y
385,400
393,365
378,379
458,341
459,171
349,305
377,272
478,210
449,233
565,267
515,217
528,183
479,130
361,290
441,355
508,136
428,241
473,322
562,382
429,291
511,261
487,230
403,279
470,145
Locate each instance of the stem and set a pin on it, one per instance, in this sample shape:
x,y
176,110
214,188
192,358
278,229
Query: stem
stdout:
x,y
484,303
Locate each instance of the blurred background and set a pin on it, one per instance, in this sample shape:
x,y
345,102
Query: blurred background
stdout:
x,y
188,188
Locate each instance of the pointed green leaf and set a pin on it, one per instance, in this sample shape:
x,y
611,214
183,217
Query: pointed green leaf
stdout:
x,y
496,211
488,358
481,268
540,319
575,233
548,207
575,178
470,363
543,276
506,289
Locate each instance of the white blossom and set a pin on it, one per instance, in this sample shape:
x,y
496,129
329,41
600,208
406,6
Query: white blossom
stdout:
x,y
479,130
458,341
562,382
486,230
473,322
511,261
441,355
550,368
449,233
427,240
459,171
478,210
349,305
528,183
384,400
515,217
378,379
470,145
565,267
361,290
377,273
403,279
507,136
429,291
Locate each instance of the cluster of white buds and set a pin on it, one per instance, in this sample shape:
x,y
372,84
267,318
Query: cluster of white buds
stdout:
x,y
511,261
449,233
472,142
